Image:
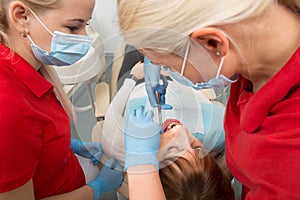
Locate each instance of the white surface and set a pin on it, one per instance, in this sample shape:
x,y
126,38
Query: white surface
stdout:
x,y
185,102
104,22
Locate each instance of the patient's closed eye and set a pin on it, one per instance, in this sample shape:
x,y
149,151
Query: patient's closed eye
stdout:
x,y
174,148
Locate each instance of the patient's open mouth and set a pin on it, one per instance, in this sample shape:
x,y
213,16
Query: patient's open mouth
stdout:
x,y
170,123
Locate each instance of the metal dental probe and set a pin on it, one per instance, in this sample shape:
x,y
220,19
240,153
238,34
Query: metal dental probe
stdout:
x,y
159,109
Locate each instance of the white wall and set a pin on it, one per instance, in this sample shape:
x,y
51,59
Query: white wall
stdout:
x,y
105,22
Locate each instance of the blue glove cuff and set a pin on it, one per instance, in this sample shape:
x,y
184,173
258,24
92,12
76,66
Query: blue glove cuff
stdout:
x,y
133,159
96,187
75,145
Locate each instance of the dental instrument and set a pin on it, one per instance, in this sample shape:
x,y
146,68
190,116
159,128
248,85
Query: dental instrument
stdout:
x,y
159,109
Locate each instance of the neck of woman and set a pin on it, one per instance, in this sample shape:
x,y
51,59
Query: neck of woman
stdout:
x,y
273,39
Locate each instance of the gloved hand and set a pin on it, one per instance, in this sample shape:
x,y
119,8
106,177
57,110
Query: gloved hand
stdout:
x,y
161,89
92,150
142,138
109,179
152,77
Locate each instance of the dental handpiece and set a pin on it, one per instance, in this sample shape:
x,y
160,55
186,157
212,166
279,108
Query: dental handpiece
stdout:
x,y
159,109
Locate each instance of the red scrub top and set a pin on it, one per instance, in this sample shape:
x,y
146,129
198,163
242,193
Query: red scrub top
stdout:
x,y
34,132
263,135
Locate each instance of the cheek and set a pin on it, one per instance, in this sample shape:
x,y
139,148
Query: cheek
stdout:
x,y
45,42
163,140
40,36
166,138
192,74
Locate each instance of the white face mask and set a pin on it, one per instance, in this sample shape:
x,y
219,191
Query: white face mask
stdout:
x,y
218,81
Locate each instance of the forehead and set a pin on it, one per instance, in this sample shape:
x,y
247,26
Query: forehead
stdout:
x,y
73,9
168,59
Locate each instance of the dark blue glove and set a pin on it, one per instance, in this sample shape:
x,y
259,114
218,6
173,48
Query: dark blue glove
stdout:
x,y
142,138
152,77
92,150
109,179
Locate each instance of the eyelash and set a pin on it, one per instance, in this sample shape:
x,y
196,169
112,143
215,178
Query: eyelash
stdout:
x,y
75,28
72,28
175,147
171,147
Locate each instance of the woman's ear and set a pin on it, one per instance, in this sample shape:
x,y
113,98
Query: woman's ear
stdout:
x,y
212,39
19,15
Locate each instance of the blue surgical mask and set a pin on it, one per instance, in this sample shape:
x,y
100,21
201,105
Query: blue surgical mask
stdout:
x,y
66,49
218,81
176,76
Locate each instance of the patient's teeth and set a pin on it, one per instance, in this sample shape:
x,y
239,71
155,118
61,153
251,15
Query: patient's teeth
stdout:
x,y
171,125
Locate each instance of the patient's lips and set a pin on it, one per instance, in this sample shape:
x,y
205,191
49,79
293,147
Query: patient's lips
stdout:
x,y
170,123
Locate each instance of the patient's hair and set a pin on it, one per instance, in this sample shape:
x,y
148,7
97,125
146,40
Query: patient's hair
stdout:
x,y
194,177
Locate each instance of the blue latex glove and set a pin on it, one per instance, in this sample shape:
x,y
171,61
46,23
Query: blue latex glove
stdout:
x,y
109,179
142,138
161,89
92,150
152,77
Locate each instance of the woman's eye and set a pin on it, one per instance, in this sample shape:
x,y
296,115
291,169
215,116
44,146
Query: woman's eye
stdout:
x,y
73,28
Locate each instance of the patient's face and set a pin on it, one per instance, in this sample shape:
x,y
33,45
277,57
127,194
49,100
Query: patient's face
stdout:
x,y
173,127
176,140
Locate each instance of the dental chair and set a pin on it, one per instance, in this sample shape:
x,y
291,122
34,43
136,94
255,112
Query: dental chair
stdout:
x,y
105,92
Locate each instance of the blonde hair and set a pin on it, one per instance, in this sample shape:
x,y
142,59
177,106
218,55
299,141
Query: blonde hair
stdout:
x,y
47,71
165,25
294,5
195,177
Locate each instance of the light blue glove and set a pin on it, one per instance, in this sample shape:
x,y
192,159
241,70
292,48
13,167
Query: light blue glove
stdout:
x,y
109,179
152,77
92,150
142,138
213,137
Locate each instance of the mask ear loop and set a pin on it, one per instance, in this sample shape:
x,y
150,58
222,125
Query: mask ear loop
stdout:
x,y
220,67
32,42
37,18
217,76
185,58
